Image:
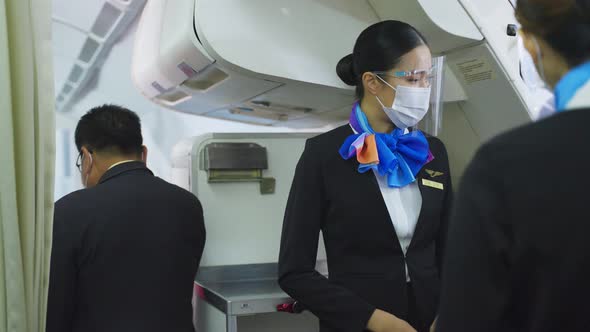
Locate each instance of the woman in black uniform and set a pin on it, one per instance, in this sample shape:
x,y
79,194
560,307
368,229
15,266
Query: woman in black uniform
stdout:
x,y
380,193
520,255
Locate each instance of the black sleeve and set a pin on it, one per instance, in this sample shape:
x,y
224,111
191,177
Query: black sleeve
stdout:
x,y
444,219
335,306
474,290
201,233
61,302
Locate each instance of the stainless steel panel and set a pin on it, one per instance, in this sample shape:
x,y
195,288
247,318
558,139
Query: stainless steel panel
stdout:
x,y
243,289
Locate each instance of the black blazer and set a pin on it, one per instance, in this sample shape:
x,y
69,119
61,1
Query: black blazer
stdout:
x,y
125,254
365,259
519,248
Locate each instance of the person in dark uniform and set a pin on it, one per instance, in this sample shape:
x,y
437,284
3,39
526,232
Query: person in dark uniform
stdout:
x,y
518,257
126,249
379,193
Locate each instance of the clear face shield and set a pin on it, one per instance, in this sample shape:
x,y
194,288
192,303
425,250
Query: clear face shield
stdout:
x,y
432,122
541,98
417,104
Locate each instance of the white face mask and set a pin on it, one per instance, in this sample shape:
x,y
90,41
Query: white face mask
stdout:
x,y
410,105
534,78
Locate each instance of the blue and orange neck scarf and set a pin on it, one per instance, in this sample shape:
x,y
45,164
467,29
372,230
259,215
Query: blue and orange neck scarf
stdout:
x,y
396,155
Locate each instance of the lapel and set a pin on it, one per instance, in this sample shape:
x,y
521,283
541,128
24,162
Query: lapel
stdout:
x,y
368,184
428,197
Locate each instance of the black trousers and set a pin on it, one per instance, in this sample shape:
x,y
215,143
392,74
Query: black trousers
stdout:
x,y
414,317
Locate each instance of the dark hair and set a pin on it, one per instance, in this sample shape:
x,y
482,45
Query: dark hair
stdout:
x,y
110,128
378,48
564,24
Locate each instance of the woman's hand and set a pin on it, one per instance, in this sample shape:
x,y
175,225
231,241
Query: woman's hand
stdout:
x,y
382,321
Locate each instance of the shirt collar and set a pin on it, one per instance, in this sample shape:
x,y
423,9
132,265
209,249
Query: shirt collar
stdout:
x,y
121,162
123,168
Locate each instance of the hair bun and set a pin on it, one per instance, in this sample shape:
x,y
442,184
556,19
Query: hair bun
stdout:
x,y
345,70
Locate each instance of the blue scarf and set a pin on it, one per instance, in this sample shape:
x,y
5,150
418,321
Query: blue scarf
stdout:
x,y
396,155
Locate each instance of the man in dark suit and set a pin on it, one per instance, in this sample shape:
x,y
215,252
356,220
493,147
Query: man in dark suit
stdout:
x,y
125,249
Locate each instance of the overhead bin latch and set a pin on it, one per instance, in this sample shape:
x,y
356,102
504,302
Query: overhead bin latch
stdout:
x,y
238,162
512,30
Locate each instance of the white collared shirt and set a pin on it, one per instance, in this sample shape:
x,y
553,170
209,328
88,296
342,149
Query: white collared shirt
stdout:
x,y
404,206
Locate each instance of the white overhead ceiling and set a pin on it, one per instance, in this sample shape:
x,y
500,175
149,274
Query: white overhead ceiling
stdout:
x,y
66,45
79,13
113,84
162,128
72,19
84,33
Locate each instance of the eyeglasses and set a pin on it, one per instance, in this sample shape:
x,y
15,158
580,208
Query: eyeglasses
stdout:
x,y
79,160
412,77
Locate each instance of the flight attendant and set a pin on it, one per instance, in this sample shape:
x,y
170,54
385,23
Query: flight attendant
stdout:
x,y
519,255
380,193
